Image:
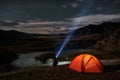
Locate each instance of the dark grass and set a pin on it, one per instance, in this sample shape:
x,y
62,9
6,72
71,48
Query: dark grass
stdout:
x,y
110,72
112,68
40,43
59,73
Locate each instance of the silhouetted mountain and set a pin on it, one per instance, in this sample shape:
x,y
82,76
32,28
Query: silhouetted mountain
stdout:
x,y
98,29
10,36
110,42
91,36
107,34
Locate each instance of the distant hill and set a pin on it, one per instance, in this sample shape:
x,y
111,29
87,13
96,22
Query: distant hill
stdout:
x,y
7,37
12,33
105,35
110,41
10,36
98,29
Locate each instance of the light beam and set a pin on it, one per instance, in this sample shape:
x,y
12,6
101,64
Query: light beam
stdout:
x,y
76,22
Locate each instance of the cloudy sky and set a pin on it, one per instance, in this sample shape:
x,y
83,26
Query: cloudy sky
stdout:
x,y
54,15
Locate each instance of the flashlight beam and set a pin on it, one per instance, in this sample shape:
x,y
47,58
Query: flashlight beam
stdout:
x,y
85,10
67,39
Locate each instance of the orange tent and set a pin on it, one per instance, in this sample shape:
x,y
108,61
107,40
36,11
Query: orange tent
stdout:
x,y
86,63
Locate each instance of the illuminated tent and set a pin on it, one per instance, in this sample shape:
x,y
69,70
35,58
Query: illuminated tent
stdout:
x,y
86,63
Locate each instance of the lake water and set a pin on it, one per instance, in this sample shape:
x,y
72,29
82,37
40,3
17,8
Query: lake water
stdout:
x,y
27,60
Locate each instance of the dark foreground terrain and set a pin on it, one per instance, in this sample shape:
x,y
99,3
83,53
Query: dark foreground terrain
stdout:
x,y
111,70
61,73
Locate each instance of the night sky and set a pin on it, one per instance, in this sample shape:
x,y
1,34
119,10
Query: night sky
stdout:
x,y
53,9
57,12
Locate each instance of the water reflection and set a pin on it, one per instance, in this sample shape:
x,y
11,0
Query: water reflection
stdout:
x,y
27,60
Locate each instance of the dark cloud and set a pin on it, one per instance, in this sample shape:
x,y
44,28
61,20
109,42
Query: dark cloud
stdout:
x,y
53,9
47,16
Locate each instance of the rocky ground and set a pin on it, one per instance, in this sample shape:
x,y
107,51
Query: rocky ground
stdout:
x,y
111,72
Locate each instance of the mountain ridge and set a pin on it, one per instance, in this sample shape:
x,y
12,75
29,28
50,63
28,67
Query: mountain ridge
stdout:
x,y
104,34
97,36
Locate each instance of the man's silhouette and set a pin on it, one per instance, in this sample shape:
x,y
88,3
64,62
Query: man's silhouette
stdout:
x,y
55,62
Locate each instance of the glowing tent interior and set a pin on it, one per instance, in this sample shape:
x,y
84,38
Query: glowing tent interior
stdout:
x,y
86,63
